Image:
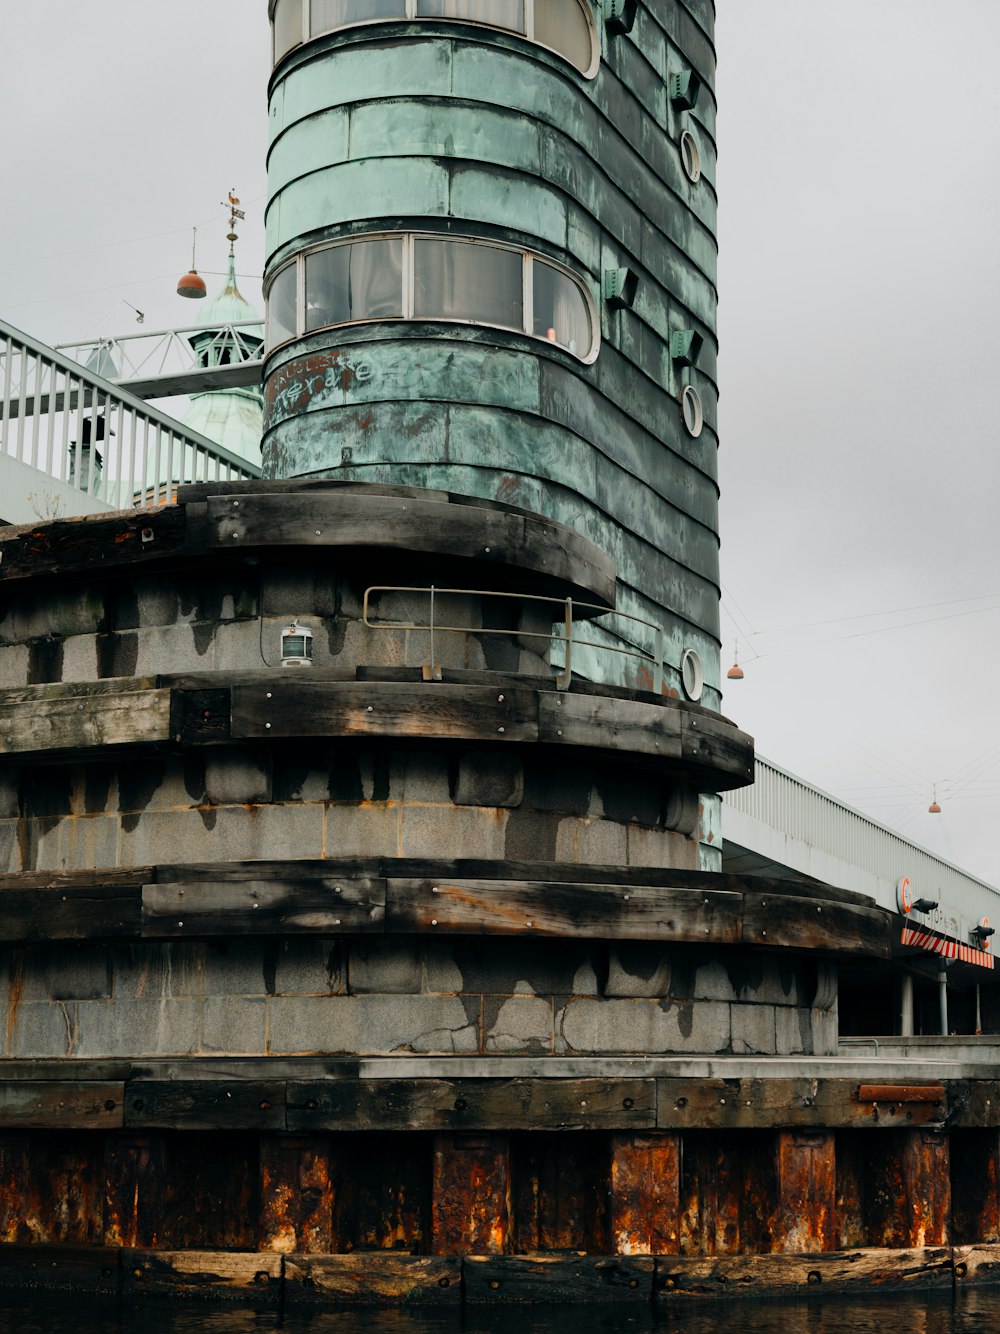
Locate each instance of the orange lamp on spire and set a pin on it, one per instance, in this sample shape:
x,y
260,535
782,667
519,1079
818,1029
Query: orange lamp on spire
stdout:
x,y
735,672
192,285
934,808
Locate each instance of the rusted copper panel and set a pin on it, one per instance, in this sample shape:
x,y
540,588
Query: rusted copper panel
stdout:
x,y
382,1192
560,1192
804,1219
975,1186
470,1200
849,1204
909,1196
644,1196
296,1190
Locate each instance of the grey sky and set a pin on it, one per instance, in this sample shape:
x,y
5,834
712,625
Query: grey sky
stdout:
x,y
860,192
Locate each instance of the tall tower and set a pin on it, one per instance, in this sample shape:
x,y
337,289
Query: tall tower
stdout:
x,y
380,797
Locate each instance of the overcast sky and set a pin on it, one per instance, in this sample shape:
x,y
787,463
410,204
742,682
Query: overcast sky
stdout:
x,y
860,192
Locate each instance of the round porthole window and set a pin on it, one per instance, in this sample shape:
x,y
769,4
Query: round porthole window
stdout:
x,y
694,415
691,156
692,674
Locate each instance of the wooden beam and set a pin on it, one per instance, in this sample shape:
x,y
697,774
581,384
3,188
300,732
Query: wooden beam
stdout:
x,y
470,1104
742,1276
785,922
218,1275
764,1104
367,1278
69,1105
42,719
291,906
94,1270
204,1104
562,1279
442,906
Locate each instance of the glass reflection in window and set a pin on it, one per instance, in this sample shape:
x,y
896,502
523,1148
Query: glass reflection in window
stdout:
x,y
565,29
329,14
499,13
287,21
458,280
281,322
361,281
560,309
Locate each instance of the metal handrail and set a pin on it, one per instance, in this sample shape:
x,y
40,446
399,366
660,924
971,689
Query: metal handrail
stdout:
x,y
56,415
432,670
161,342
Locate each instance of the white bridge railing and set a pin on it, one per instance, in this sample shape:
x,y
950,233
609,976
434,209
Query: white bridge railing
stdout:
x,y
94,437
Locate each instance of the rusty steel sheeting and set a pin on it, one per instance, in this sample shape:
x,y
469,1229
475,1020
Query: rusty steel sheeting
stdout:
x,y
644,1194
470,1202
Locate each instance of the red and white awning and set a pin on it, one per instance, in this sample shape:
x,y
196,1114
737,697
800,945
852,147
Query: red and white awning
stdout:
x,y
948,949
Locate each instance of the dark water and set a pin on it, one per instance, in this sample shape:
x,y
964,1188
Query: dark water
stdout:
x,y
969,1312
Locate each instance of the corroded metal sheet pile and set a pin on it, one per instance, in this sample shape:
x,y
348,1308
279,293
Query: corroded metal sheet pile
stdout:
x,y
411,973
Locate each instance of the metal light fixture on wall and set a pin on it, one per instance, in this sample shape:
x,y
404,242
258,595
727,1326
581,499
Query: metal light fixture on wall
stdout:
x,y
296,645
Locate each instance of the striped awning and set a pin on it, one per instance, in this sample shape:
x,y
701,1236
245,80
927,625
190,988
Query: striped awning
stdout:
x,y
948,949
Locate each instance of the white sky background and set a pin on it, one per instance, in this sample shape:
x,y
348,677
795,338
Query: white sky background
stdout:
x,y
860,192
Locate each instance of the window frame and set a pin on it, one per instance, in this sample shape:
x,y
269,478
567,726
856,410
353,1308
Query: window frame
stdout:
x,y
411,16
408,279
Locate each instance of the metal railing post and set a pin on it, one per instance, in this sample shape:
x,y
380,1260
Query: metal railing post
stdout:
x,y
566,675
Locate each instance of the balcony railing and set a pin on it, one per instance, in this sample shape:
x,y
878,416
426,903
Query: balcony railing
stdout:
x,y
97,438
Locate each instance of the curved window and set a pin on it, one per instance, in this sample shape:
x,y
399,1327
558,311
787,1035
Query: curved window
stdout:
x,y
564,26
420,277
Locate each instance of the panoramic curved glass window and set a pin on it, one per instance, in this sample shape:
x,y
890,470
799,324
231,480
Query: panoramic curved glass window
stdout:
x,y
564,26
420,277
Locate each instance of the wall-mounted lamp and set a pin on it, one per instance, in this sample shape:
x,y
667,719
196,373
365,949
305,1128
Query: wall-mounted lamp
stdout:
x,y
685,346
981,933
619,15
684,89
296,645
925,905
620,287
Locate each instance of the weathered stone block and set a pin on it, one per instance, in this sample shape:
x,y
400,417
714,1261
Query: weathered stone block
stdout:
x,y
527,967
174,648
161,971
489,778
310,967
419,777
752,1029
14,665
441,972
237,776
638,970
74,843
80,658
225,833
794,1031
518,1023
375,1025
450,831
642,1026
44,1029
67,972
392,966
235,1026
592,842
138,1027
371,830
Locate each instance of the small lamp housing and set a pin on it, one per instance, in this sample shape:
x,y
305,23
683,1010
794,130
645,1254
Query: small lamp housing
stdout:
x,y
296,645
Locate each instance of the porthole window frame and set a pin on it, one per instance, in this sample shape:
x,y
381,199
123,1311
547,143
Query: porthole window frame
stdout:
x,y
690,151
528,257
692,411
411,16
692,675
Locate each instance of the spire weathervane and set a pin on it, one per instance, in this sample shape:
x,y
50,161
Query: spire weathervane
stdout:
x,y
236,214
